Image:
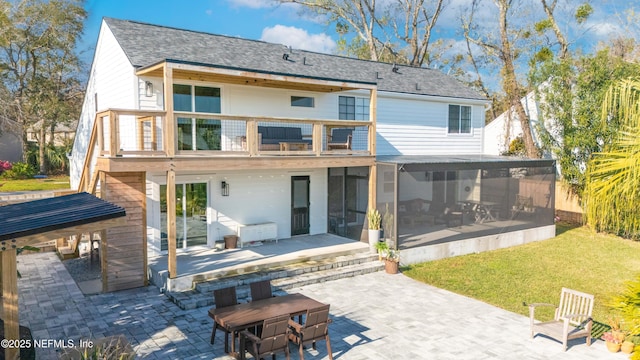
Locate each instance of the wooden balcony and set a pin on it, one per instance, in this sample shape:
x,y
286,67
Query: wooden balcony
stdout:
x,y
140,140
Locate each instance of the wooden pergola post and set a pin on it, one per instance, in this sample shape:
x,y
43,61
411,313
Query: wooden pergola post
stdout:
x,y
10,299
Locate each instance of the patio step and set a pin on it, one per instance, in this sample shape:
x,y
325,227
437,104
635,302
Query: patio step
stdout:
x,y
282,279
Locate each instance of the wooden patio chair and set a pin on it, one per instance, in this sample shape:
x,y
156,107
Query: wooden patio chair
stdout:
x,y
274,338
572,318
223,297
340,139
260,290
315,327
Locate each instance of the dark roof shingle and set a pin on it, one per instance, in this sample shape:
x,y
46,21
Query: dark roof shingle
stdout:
x,y
146,44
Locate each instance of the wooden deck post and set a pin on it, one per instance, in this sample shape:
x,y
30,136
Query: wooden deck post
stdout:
x,y
373,99
113,134
10,300
169,126
317,139
104,265
253,143
373,105
171,223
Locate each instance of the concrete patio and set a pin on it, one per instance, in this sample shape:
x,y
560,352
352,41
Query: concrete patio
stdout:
x,y
376,316
207,264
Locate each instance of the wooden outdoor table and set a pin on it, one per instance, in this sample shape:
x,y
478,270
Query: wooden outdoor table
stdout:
x,y
288,146
243,316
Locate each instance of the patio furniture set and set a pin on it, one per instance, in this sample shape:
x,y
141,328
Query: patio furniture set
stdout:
x,y
285,138
265,325
418,211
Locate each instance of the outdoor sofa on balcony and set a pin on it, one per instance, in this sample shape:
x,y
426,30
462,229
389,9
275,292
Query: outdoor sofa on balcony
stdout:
x,y
272,138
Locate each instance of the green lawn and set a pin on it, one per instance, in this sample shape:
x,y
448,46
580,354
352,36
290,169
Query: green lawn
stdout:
x,y
576,258
50,183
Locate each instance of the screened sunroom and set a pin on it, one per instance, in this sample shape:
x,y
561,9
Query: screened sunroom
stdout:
x,y
434,200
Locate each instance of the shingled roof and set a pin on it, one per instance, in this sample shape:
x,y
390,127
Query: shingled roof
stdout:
x,y
146,45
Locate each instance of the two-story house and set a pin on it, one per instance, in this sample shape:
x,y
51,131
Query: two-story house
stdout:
x,y
200,136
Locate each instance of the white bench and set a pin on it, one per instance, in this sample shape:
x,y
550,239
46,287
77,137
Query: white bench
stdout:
x,y
257,232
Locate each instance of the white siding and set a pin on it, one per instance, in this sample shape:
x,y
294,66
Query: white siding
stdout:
x,y
251,100
505,128
419,127
255,197
409,125
112,79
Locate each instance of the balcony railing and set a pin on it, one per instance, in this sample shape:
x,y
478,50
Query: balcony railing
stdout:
x,y
128,133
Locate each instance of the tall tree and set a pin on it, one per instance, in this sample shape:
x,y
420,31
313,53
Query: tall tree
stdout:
x,y
412,22
572,94
613,184
38,64
553,72
506,48
358,16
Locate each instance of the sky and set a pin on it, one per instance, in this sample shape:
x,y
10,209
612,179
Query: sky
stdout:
x,y
286,24
250,19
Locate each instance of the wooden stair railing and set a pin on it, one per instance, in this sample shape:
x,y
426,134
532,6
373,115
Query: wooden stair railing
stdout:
x,y
87,180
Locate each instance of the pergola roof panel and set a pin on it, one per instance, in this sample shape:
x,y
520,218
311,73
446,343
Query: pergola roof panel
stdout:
x,y
39,216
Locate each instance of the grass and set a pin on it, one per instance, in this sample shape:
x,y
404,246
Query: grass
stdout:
x,y
50,183
576,258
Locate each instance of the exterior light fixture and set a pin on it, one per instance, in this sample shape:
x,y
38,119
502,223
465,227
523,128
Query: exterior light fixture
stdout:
x,y
148,88
225,188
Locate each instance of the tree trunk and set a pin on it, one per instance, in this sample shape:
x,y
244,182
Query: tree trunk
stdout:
x,y
41,146
510,83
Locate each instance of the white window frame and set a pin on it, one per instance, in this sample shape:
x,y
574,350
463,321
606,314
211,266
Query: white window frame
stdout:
x,y
360,107
458,130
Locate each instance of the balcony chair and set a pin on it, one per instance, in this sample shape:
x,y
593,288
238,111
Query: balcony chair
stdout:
x,y
315,327
272,339
339,139
572,318
223,297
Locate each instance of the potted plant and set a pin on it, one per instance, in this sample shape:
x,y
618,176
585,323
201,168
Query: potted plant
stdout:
x,y
614,337
382,248
629,344
373,216
613,342
391,261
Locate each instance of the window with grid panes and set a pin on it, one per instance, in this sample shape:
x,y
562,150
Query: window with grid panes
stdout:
x,y
197,134
459,119
353,108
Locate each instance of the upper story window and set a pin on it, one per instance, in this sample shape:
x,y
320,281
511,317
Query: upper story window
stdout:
x,y
353,108
193,133
302,101
196,98
459,119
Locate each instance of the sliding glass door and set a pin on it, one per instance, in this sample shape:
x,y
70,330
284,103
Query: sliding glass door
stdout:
x,y
191,215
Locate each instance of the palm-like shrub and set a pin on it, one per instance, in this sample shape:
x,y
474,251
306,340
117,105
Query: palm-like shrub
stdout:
x,y
613,177
628,305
